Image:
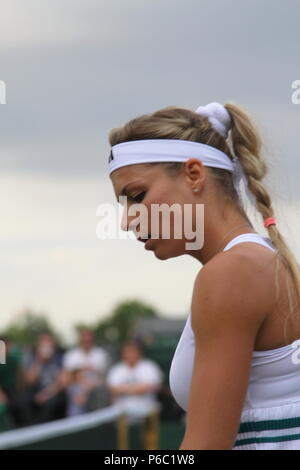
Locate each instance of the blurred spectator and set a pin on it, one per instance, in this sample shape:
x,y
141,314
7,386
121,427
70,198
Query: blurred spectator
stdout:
x,y
4,415
90,364
78,393
11,372
11,379
44,396
135,381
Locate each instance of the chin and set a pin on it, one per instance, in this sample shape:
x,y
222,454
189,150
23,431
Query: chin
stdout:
x,y
164,252
161,255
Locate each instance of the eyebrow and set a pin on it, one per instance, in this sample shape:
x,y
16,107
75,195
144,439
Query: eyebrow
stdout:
x,y
125,189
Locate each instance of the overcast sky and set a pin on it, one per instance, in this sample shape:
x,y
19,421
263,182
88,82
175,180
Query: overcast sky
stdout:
x,y
74,69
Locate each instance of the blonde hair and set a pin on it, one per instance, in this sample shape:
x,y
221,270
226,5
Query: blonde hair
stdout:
x,y
180,123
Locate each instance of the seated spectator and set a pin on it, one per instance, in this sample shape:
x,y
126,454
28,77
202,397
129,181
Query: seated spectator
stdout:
x,y
92,362
44,396
135,381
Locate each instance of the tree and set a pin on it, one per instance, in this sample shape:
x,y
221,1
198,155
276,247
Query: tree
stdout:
x,y
26,328
120,325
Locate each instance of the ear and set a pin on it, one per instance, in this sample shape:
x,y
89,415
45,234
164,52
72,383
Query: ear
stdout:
x,y
194,172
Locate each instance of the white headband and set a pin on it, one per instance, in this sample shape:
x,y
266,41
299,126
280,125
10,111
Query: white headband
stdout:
x,y
178,150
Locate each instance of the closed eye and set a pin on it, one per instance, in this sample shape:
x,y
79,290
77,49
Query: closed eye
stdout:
x,y
139,197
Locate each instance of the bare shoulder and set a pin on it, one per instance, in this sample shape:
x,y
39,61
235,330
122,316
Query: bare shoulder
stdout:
x,y
226,316
236,287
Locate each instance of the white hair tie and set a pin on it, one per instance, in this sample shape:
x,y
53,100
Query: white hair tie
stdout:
x,y
220,120
218,116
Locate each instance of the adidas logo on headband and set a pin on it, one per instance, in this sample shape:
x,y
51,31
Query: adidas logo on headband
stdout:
x,y
111,157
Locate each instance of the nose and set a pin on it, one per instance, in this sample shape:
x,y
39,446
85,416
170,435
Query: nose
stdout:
x,y
129,223
124,221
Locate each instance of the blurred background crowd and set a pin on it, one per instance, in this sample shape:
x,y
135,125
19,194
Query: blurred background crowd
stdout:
x,y
45,381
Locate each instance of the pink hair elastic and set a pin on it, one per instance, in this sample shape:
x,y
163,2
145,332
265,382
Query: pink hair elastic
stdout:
x,y
269,221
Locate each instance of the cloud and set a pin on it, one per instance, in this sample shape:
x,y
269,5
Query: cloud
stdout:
x,y
74,69
35,24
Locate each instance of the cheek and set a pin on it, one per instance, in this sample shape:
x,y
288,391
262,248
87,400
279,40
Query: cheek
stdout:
x,y
166,220
165,194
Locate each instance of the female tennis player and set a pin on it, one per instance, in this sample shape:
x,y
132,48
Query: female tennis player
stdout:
x,y
236,368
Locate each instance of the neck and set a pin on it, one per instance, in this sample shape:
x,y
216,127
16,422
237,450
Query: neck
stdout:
x,y
219,230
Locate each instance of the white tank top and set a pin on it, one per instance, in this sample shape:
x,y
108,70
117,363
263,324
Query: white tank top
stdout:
x,y
275,374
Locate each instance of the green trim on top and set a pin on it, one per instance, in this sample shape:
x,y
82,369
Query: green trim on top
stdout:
x,y
258,440
269,424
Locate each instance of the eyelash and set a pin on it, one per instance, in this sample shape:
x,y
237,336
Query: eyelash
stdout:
x,y
138,196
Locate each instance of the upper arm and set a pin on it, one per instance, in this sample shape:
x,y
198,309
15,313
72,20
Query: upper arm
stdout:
x,y
226,316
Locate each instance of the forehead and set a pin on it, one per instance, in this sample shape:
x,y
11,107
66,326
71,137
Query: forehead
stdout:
x,y
139,173
86,333
45,337
131,348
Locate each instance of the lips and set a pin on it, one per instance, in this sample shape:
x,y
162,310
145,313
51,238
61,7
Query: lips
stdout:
x,y
144,239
